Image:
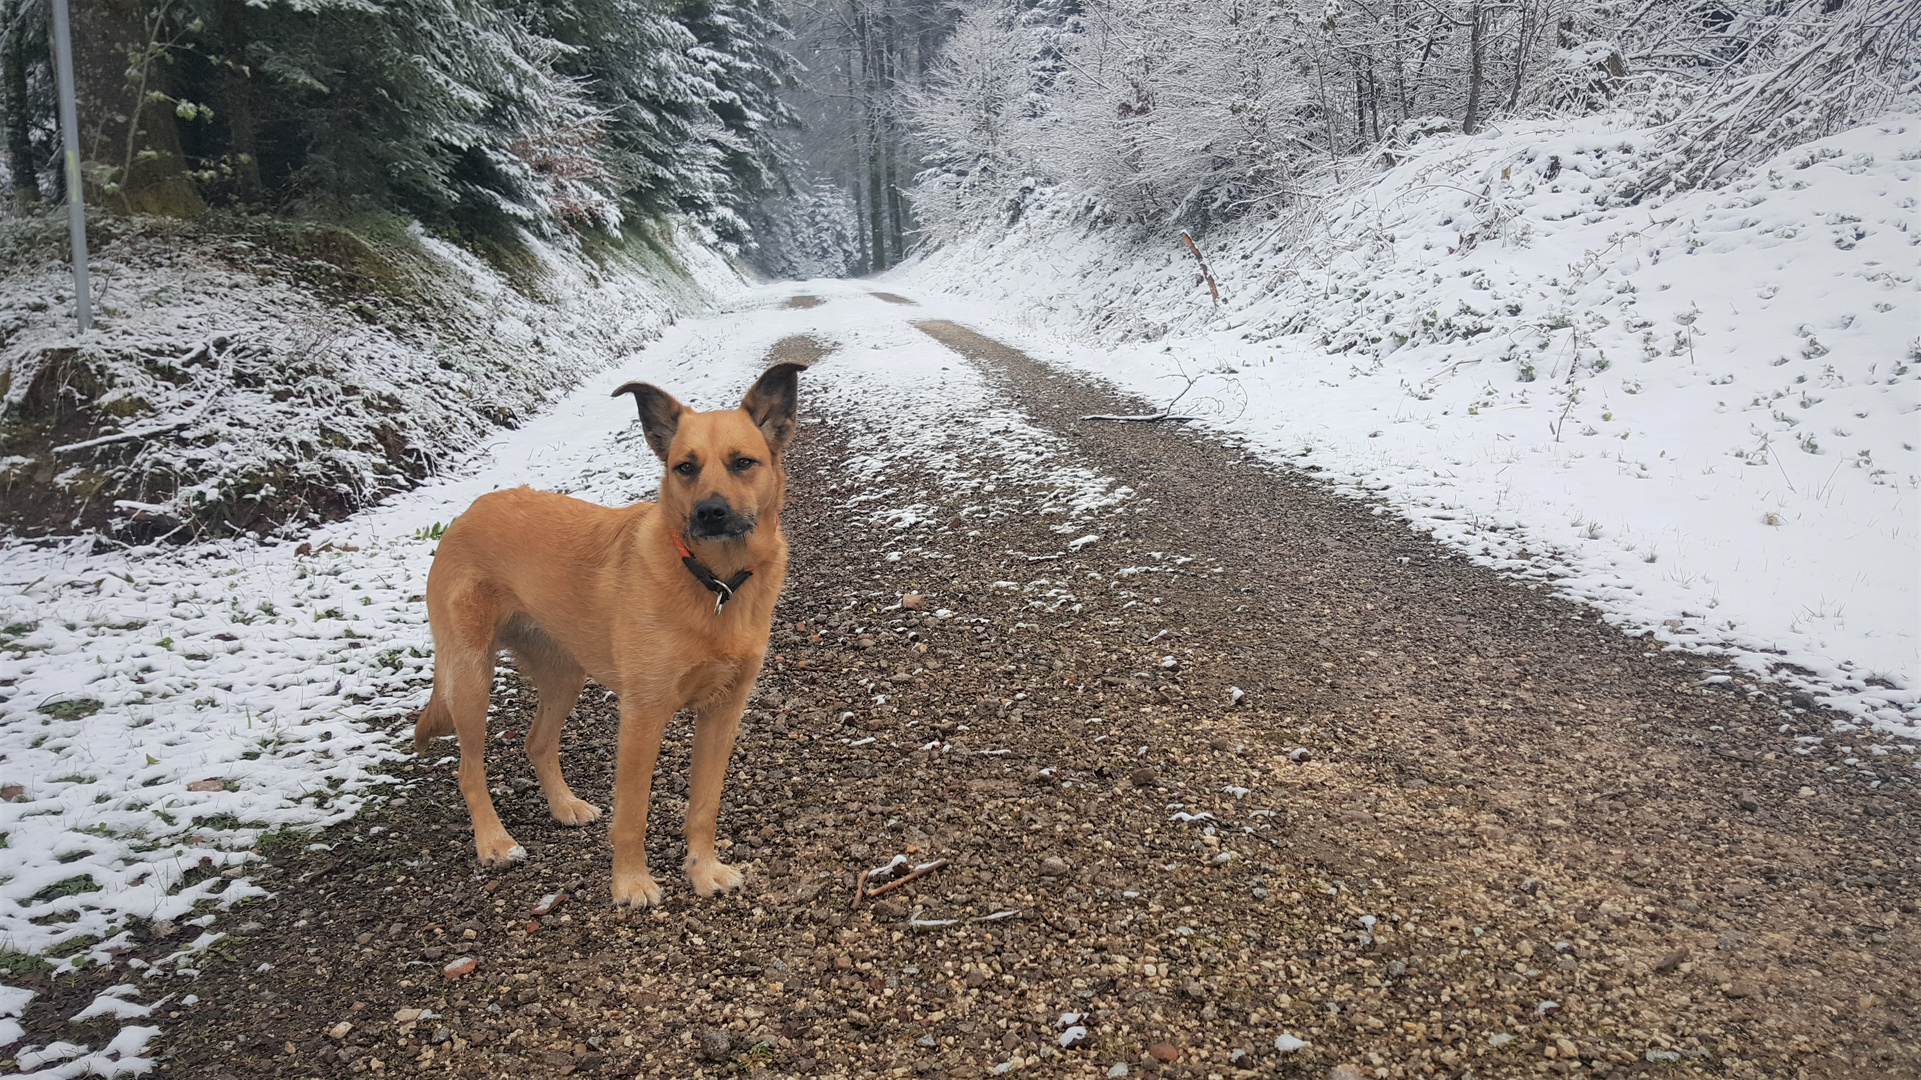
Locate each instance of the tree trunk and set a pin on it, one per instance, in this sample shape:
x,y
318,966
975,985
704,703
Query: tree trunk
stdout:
x,y
1476,63
866,263
127,141
20,164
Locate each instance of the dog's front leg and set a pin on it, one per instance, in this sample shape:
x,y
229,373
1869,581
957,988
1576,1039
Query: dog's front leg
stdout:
x,y
715,726
641,727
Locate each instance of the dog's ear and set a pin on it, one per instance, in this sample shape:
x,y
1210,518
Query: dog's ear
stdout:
x,y
772,403
659,415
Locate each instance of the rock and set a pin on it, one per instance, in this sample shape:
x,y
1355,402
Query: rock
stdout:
x,y
1740,892
1287,1044
458,967
1356,817
1117,1070
1141,777
1670,961
1747,800
913,601
11,792
716,1044
1300,755
406,1016
1053,866
1345,1072
209,784
340,1030
1742,988
548,904
441,1034
1072,1037
1731,940
1165,1053
1195,991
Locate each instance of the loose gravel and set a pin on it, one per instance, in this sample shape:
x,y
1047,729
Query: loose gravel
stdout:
x,y
1256,783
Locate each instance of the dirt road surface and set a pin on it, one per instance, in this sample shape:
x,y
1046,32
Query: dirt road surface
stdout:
x,y
1266,783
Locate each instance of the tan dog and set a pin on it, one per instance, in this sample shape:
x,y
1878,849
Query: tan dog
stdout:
x,y
642,598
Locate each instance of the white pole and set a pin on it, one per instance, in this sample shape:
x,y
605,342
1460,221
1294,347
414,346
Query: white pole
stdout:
x,y
70,144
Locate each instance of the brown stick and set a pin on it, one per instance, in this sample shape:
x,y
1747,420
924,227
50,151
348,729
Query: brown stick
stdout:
x,y
1212,289
920,871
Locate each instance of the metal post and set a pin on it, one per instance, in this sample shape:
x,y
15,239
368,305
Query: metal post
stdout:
x,y
70,144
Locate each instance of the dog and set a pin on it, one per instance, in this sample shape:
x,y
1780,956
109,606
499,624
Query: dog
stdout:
x,y
668,604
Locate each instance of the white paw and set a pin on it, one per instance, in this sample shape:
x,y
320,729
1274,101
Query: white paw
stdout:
x,y
636,891
714,876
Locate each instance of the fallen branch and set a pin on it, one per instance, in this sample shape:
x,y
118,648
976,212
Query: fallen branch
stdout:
x,y
1143,418
1212,289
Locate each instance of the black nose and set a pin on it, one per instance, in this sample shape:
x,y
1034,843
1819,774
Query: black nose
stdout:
x,y
711,511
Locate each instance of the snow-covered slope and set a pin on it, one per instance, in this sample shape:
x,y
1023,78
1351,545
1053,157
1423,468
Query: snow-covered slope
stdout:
x,y
1699,415
245,374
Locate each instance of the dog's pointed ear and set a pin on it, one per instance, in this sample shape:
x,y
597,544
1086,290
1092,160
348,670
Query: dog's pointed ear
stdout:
x,y
659,415
773,401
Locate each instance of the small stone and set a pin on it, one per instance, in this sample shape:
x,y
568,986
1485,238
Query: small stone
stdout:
x,y
1356,817
364,938
1141,777
406,1016
456,968
913,601
1731,940
1742,988
1072,1037
1670,961
1287,1044
1195,991
1300,755
441,1034
209,784
1740,892
1345,1072
548,904
10,792
716,1044
340,1030
1747,800
1117,1070
1053,866
1166,1053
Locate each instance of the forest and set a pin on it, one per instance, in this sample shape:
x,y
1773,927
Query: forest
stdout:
x,y
838,136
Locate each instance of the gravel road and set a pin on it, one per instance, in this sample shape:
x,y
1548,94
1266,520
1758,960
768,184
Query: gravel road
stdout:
x,y
1270,784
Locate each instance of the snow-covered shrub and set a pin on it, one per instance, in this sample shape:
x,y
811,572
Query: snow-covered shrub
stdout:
x,y
247,375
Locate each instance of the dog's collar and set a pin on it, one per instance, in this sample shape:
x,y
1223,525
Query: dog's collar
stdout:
x,y
723,590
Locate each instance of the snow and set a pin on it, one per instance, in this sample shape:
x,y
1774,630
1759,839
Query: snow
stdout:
x,y
162,708
219,378
1698,416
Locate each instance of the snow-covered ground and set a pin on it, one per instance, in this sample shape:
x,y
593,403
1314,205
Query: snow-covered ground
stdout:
x,y
233,380
163,708
1700,416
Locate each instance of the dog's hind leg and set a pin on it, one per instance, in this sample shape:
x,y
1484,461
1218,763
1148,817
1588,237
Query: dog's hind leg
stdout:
x,y
559,681
715,725
464,669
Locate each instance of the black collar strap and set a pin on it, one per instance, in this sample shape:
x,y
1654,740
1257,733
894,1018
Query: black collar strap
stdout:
x,y
723,590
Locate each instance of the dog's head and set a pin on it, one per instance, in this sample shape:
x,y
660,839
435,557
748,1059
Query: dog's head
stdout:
x,y
723,467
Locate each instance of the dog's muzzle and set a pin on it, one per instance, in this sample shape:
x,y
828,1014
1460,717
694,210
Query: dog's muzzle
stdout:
x,y
714,519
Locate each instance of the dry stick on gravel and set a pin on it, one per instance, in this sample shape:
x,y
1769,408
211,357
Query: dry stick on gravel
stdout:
x,y
919,871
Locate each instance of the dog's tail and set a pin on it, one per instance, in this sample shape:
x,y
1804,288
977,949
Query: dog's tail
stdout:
x,y
434,721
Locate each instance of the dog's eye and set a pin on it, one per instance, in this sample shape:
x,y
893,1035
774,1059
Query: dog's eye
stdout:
x,y
687,468
743,464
